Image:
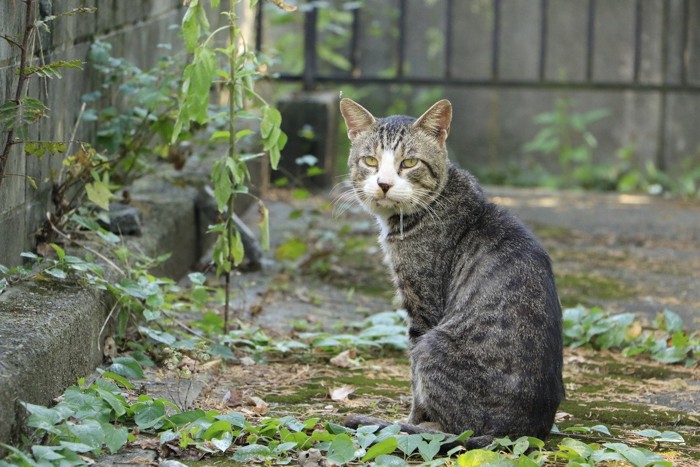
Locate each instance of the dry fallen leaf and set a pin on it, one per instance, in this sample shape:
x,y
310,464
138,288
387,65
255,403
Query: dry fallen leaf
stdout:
x,y
341,393
247,361
563,416
345,359
260,406
110,347
233,398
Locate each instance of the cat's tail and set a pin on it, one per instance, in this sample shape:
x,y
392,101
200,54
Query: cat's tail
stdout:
x,y
354,421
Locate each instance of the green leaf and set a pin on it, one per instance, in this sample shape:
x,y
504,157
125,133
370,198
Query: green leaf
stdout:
x,y
183,418
117,378
387,446
59,251
56,272
291,249
76,447
389,461
43,418
99,193
223,442
126,366
250,452
89,432
477,457
409,443
150,416
190,25
237,249
637,457
117,403
428,451
115,437
53,70
341,450
216,428
582,449
46,453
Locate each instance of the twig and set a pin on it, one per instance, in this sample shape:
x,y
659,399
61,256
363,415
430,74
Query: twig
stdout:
x,y
104,325
85,247
72,139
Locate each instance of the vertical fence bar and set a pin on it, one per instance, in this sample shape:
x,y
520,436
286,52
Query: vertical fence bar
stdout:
x,y
636,64
310,20
661,126
355,44
449,13
496,39
258,27
590,40
544,13
402,39
685,50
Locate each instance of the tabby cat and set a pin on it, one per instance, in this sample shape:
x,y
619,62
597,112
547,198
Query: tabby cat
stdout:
x,y
485,332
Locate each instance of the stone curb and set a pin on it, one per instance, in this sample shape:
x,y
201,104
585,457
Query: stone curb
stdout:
x,y
51,333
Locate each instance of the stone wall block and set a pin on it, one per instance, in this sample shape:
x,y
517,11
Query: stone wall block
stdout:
x,y
520,39
566,44
473,24
614,41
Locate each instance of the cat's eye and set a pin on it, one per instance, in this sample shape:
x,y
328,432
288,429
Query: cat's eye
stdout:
x,y
408,163
370,161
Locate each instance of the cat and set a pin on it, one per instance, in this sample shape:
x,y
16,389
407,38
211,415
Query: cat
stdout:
x,y
484,318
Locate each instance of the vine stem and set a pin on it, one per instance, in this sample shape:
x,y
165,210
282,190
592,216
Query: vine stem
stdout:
x,y
21,82
230,225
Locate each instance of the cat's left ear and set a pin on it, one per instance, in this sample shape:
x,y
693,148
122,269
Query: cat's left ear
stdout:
x,y
436,120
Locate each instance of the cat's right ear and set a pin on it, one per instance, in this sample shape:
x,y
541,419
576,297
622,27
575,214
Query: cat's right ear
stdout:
x,y
357,118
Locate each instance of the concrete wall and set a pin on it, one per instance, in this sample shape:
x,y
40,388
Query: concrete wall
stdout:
x,y
134,28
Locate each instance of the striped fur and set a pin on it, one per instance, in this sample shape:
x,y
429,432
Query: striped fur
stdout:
x,y
484,315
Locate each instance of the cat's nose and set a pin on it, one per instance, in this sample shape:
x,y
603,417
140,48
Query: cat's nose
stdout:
x,y
384,186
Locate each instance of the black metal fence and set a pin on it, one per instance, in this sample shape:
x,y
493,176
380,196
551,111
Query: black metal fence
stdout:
x,y
312,73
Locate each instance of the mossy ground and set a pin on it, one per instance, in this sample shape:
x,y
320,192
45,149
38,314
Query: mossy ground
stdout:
x,y
603,388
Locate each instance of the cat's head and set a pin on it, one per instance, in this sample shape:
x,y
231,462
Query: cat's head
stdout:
x,y
398,163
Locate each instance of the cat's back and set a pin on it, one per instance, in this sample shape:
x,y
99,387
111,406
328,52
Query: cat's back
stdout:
x,y
498,266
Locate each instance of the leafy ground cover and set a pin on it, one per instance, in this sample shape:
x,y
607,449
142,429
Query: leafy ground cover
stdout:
x,y
313,344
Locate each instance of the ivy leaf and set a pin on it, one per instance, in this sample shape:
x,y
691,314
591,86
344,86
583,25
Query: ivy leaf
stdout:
x,y
477,457
150,416
250,452
126,366
89,432
341,450
116,402
115,437
224,441
389,461
387,446
234,418
56,272
220,426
